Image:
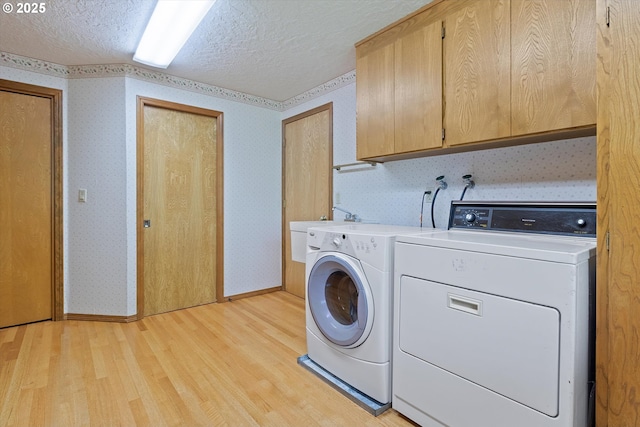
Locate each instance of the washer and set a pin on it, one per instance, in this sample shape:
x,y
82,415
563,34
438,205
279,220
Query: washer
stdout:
x,y
349,272
493,319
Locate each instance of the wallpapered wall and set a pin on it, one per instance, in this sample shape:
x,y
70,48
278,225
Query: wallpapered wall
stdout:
x,y
97,275
391,192
252,184
99,154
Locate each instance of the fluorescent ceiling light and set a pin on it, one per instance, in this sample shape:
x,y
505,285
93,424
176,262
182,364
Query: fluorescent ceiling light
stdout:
x,y
171,24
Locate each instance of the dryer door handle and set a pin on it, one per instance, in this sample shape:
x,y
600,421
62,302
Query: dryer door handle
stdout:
x,y
468,305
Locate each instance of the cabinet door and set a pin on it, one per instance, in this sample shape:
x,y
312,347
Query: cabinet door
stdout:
x,y
375,101
618,269
553,82
418,89
477,72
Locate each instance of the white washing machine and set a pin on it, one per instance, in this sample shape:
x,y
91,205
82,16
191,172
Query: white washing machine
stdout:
x,y
493,319
349,303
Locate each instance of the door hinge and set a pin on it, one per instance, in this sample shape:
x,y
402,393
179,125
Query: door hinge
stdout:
x,y
443,134
608,16
606,240
284,203
442,32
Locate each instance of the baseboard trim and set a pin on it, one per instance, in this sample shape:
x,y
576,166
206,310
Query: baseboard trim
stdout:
x,y
100,318
251,294
127,319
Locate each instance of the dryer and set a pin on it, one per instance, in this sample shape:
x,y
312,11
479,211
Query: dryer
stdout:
x,y
349,277
493,319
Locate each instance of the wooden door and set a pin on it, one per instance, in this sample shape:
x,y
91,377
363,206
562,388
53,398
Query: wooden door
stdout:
x,y
553,65
307,181
418,89
375,100
26,207
618,269
181,173
477,72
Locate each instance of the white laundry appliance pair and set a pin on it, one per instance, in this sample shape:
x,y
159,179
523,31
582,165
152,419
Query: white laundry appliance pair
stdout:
x,y
349,306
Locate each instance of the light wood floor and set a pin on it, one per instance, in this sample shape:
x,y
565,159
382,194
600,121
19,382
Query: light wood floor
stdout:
x,y
231,364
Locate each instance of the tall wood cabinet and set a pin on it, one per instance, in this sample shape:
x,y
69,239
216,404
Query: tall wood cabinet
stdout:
x,y
618,176
501,70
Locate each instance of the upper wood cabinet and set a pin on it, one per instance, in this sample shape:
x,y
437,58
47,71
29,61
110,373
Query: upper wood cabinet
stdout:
x,y
418,89
375,101
399,92
477,72
505,70
553,65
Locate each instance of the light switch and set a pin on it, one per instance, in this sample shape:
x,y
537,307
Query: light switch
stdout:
x,y
82,195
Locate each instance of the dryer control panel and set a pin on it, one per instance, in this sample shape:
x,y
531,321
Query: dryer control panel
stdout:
x,y
569,219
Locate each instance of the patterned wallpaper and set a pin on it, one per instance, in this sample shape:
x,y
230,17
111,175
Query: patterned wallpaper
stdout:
x,y
100,155
252,184
97,275
391,192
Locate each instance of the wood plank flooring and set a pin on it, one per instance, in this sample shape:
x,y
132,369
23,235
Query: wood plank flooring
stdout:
x,y
231,364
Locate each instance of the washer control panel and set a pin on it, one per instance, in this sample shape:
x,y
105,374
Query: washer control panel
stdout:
x,y
343,241
572,219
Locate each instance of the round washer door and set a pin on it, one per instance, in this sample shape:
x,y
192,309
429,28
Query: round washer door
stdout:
x,y
340,300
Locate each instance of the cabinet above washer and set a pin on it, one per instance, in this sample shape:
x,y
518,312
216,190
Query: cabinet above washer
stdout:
x,y
470,74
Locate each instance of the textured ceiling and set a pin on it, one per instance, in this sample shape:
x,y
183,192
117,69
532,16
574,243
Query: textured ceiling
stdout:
x,y
275,49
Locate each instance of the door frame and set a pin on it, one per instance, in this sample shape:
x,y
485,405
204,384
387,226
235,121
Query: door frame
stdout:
x,y
284,226
217,115
57,252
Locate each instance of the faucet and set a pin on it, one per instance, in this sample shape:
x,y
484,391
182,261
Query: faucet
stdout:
x,y
351,217
468,183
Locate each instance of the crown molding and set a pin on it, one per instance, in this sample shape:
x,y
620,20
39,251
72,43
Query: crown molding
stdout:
x,y
337,83
126,70
34,65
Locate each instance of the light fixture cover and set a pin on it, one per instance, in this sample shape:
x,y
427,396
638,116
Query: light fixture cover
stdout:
x,y
171,24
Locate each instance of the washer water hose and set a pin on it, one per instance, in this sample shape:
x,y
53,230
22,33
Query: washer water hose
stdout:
x,y
441,185
468,183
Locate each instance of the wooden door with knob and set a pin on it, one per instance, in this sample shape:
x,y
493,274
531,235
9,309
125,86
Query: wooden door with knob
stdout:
x,y
30,203
179,206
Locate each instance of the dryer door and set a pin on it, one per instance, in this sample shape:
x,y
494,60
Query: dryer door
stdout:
x,y
340,300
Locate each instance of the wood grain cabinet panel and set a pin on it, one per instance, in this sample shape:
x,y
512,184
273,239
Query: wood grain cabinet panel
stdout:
x,y
505,72
618,268
399,93
477,71
418,89
375,101
553,77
